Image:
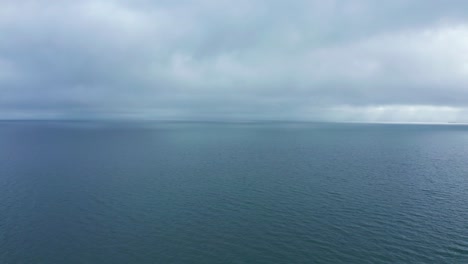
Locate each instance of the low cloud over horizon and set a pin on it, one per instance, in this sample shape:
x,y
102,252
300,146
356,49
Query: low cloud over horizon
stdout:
x,y
355,60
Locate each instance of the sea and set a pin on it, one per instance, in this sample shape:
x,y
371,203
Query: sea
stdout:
x,y
232,192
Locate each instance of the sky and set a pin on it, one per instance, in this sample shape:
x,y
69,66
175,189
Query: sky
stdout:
x,y
298,60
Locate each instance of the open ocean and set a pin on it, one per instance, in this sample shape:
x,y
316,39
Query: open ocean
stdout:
x,y
174,192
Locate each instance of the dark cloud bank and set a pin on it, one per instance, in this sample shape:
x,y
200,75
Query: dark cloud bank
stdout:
x,y
355,60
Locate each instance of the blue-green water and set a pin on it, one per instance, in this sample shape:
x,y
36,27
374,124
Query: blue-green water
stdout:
x,y
90,192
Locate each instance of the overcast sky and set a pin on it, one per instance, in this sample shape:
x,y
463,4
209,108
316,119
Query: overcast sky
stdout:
x,y
353,60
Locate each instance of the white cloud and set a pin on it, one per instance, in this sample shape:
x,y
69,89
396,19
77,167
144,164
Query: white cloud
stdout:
x,y
224,59
398,113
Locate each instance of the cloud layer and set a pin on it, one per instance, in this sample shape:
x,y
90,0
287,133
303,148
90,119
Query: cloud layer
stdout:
x,y
355,60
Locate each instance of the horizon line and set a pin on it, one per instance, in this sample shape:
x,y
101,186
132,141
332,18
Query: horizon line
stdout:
x,y
225,121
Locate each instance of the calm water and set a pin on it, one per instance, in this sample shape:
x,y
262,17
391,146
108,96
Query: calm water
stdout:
x,y
232,193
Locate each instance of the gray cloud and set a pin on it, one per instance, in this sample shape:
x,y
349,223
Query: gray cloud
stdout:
x,y
356,60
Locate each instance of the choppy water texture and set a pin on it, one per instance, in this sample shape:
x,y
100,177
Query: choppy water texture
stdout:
x,y
90,192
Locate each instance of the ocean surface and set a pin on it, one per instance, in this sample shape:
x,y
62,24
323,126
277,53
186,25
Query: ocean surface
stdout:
x,y
174,192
